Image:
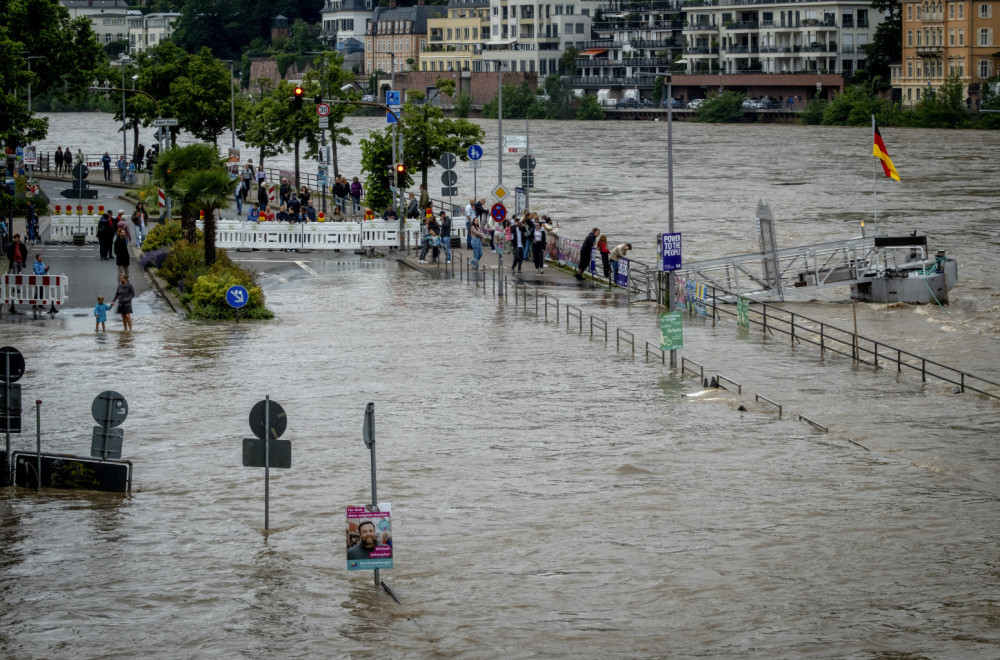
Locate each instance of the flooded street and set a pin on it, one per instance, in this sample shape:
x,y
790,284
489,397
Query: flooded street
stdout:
x,y
551,497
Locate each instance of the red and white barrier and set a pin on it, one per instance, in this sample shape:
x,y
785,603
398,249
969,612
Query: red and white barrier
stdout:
x,y
42,290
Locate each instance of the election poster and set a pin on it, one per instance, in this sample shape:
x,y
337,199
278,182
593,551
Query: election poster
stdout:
x,y
369,537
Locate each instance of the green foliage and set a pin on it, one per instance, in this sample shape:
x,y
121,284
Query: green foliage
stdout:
x,y
589,108
813,112
854,107
427,133
567,62
208,295
943,108
201,97
463,106
183,265
517,103
164,235
376,162
725,108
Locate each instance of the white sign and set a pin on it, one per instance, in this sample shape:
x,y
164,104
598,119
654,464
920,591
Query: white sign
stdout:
x,y
165,122
324,122
476,164
322,109
515,142
30,155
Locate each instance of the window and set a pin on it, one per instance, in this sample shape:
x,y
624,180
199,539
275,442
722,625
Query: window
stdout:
x,y
449,34
909,12
909,69
847,20
862,18
985,37
584,12
984,69
848,43
961,10
466,33
961,36
569,9
475,33
951,36
909,94
559,10
984,11
579,28
909,37
918,38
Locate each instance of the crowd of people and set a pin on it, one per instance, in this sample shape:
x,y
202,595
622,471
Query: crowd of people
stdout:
x,y
64,160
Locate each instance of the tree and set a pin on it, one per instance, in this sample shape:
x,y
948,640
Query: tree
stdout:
x,y
328,71
258,122
65,56
197,179
721,109
427,134
567,62
887,43
158,68
201,97
590,108
376,163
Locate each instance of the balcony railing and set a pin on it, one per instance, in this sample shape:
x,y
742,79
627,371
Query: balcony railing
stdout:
x,y
701,50
632,61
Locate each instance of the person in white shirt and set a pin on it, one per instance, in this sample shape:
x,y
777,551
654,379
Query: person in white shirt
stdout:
x,y
470,213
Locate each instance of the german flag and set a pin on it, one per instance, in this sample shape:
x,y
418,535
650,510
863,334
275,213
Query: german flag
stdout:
x,y
879,152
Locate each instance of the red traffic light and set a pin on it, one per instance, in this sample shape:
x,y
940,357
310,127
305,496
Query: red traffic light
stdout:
x,y
298,92
400,168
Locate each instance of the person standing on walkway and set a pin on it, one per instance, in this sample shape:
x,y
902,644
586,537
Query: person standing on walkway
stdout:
x,y
477,243
17,255
122,222
517,242
425,199
602,248
262,196
121,252
105,235
470,211
538,245
240,196
446,235
139,218
585,251
124,296
356,195
31,222
106,162
79,159
620,251
58,157
122,167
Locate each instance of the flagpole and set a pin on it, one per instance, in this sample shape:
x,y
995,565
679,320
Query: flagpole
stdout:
x,y
874,185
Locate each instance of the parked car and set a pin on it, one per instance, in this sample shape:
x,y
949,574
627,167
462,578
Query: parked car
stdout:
x,y
694,104
674,103
766,103
368,98
645,103
627,103
750,105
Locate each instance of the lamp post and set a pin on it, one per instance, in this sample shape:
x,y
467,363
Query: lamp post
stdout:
x,y
396,133
123,60
232,100
670,195
29,58
499,65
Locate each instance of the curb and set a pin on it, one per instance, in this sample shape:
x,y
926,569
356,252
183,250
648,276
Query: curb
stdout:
x,y
164,289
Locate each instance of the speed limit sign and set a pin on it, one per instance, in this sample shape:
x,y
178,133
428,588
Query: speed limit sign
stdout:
x,y
322,109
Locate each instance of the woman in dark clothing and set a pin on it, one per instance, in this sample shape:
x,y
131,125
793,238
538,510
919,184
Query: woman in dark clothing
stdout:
x,y
124,296
121,252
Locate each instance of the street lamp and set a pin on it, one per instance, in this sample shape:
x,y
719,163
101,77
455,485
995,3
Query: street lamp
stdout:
x,y
29,58
396,133
232,101
499,66
670,194
123,60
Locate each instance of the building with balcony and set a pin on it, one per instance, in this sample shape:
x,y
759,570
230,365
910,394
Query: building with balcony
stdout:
x,y
813,36
150,30
396,36
529,36
108,18
634,43
345,19
941,39
455,40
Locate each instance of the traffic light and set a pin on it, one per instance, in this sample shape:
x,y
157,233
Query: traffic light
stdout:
x,y
400,175
318,99
298,98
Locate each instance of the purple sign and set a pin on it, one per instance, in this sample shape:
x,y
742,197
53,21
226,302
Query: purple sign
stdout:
x,y
621,273
670,251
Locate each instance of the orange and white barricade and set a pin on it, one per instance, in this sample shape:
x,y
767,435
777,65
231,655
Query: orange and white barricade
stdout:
x,y
42,290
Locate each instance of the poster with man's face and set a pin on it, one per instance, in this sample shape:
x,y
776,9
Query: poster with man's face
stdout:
x,y
369,537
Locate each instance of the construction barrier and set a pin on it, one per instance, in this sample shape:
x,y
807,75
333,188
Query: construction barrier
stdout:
x,y
247,235
63,228
42,290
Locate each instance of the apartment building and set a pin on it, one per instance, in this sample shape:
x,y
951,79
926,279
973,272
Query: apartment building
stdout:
x,y
396,36
108,18
941,39
455,40
345,19
150,30
814,36
530,36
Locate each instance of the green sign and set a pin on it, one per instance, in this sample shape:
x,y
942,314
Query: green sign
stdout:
x,y
743,312
671,331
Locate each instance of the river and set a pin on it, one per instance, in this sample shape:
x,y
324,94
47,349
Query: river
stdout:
x,y
551,497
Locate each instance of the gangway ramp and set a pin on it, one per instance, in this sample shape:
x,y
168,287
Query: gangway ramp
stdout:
x,y
817,266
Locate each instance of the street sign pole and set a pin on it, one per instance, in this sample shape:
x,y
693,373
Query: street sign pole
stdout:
x,y
38,445
267,460
368,434
527,148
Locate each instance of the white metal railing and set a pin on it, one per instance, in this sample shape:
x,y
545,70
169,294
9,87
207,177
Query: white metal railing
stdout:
x,y
63,227
35,289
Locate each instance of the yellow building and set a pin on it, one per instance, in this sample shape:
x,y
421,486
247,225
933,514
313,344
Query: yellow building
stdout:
x,y
942,38
454,41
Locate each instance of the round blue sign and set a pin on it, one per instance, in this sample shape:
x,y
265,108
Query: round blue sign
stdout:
x,y
498,211
237,296
475,152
